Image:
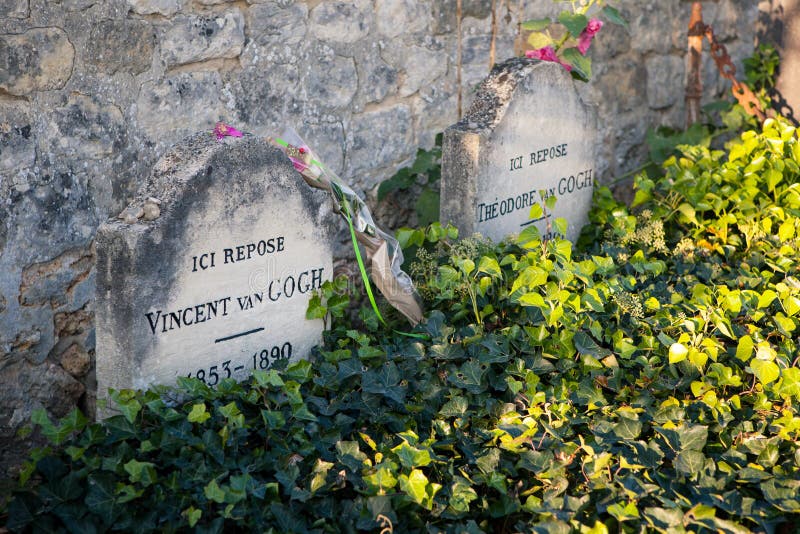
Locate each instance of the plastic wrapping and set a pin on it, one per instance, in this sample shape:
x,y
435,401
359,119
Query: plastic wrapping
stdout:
x,y
383,250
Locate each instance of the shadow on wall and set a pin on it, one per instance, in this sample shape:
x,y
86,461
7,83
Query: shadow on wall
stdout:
x,y
775,28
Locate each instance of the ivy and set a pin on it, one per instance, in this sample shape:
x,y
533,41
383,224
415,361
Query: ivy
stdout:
x,y
645,379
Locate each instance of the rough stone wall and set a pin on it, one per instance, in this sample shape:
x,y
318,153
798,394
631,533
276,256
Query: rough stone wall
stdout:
x,y
93,91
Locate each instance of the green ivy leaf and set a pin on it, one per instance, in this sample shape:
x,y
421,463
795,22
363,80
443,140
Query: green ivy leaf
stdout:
x,y
315,308
690,462
143,472
415,486
455,407
411,457
213,492
614,16
581,65
536,25
192,515
489,266
461,495
574,22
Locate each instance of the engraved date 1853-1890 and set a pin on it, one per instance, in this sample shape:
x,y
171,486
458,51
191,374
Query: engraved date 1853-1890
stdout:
x,y
263,359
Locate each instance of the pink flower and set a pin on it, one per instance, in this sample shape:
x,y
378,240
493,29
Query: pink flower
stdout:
x,y
586,36
547,54
223,130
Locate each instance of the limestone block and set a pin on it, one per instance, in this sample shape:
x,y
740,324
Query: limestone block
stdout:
x,y
422,67
332,83
341,22
39,59
265,103
121,45
76,361
274,26
396,17
160,7
379,138
85,127
18,9
653,25
196,38
17,142
664,77
376,79
444,13
179,104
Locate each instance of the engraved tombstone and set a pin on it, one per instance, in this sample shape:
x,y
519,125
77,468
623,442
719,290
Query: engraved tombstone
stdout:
x,y
526,137
209,271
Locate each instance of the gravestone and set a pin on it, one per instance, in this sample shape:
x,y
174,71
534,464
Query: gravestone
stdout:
x,y
209,271
526,137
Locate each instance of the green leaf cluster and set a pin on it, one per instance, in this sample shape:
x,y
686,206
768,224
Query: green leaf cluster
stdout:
x,y
645,379
563,34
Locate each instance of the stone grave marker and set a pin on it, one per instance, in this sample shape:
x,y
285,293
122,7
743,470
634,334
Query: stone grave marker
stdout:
x,y
526,137
209,271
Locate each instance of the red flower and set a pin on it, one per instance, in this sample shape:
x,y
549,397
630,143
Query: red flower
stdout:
x,y
547,54
586,36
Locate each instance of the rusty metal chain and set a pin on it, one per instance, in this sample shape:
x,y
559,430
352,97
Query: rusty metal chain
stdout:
x,y
719,53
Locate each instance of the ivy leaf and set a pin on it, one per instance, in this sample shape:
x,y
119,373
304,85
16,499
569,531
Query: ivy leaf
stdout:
x,y
455,407
470,376
461,495
412,457
198,414
539,40
101,498
427,206
384,381
690,462
693,437
192,515
415,486
143,472
213,492
678,352
536,25
623,513
381,480
315,308
489,266
614,16
586,345
765,371
628,428
581,65
664,518
790,383
574,22
744,350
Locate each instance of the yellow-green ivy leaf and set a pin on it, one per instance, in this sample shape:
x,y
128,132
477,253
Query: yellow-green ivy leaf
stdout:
x,y
765,371
744,351
198,414
678,352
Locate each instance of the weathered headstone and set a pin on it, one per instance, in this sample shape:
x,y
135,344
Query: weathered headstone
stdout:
x,y
526,137
211,268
